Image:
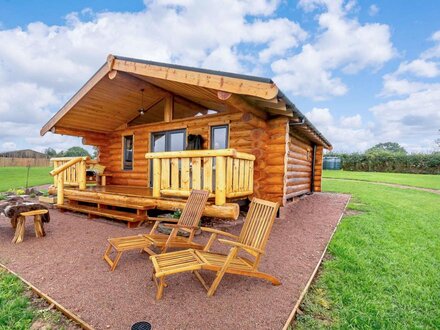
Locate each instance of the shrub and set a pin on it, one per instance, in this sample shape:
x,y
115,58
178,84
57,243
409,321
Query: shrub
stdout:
x,y
383,161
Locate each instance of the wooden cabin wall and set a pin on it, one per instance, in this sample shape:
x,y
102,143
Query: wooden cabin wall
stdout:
x,y
240,131
275,159
318,168
299,166
283,165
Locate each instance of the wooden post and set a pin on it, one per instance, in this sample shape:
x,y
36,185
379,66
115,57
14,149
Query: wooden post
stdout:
x,y
220,180
156,177
82,175
60,189
168,111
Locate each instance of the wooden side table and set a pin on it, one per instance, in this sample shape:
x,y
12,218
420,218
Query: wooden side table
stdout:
x,y
21,221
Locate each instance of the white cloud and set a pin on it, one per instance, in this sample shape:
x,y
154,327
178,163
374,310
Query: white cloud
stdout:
x,y
339,47
373,10
345,133
7,146
41,65
420,68
413,118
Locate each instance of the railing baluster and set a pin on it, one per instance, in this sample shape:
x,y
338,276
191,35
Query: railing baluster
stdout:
x,y
184,184
220,180
196,173
175,173
207,173
165,175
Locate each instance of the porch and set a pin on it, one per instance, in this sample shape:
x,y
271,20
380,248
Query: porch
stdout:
x,y
225,173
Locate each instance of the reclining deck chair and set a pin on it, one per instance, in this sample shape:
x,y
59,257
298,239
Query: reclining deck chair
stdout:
x,y
252,239
188,222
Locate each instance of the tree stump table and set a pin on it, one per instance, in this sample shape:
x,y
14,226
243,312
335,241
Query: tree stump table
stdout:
x,y
21,221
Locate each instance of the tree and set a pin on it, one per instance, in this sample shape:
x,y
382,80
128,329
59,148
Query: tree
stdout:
x,y
76,152
50,152
392,147
437,141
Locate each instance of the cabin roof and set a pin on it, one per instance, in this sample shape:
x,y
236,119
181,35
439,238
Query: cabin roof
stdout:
x,y
116,85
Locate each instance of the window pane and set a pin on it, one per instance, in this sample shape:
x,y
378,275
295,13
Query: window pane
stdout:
x,y
159,142
177,141
128,152
219,137
186,109
153,114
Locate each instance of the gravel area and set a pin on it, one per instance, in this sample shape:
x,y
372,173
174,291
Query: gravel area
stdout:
x,y
67,264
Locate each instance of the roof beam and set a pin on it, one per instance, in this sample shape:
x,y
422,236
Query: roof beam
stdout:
x,y
75,98
223,83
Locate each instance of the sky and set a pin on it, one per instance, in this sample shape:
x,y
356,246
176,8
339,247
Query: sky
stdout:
x,y
363,72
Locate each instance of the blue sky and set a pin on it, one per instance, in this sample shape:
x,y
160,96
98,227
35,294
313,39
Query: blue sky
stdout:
x,y
363,71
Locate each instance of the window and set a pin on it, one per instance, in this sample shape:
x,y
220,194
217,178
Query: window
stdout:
x,y
153,114
167,141
127,163
187,109
219,137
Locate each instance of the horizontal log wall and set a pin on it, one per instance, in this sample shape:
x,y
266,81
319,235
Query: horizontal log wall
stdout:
x,y
298,176
111,151
318,168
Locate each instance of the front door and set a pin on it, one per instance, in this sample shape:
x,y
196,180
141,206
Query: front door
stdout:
x,y
167,141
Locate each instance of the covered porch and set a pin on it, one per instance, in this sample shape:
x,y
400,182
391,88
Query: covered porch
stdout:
x,y
226,173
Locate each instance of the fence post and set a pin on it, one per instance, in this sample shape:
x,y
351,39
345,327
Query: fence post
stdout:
x,y
60,189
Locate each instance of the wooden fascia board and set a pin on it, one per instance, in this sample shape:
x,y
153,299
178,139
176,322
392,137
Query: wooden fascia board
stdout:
x,y
212,81
101,73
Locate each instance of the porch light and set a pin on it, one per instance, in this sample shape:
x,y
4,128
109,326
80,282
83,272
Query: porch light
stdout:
x,y
142,110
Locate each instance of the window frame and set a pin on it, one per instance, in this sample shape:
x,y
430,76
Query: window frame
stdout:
x,y
212,128
124,152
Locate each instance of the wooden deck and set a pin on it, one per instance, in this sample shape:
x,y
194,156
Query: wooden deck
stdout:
x,y
131,203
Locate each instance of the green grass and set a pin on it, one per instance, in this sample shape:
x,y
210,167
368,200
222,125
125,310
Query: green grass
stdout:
x,y
383,270
15,310
415,180
15,177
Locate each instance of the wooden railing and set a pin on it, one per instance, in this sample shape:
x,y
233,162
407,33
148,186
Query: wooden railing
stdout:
x,y
69,171
225,173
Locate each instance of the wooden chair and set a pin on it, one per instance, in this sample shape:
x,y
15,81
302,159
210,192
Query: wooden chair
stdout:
x,y
188,222
252,240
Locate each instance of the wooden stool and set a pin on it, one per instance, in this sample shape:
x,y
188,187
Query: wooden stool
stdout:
x,y
20,225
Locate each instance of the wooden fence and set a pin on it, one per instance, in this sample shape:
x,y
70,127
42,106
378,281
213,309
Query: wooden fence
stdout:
x,y
14,161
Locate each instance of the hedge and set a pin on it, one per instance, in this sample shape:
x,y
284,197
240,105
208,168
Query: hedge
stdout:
x,y
392,162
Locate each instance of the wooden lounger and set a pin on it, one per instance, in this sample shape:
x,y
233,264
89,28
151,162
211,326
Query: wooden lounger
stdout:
x,y
189,222
252,239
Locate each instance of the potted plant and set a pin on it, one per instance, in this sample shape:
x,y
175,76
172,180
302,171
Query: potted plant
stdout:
x,y
46,198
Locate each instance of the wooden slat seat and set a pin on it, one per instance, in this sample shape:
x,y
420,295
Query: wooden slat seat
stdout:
x,y
188,221
252,240
216,261
178,241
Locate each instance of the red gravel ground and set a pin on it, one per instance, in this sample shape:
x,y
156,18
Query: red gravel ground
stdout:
x,y
67,264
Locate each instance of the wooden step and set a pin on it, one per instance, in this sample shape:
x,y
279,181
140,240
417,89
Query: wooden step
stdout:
x,y
110,203
113,214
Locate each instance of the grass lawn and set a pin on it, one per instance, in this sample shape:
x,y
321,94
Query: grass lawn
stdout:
x,y
15,177
383,265
416,180
15,311
20,308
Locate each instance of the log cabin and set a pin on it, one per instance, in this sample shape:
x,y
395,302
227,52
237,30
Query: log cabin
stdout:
x,y
164,129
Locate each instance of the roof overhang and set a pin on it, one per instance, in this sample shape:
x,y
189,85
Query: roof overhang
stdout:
x,y
112,94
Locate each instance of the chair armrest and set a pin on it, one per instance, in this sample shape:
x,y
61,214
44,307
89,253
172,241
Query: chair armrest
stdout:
x,y
240,245
163,219
218,232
